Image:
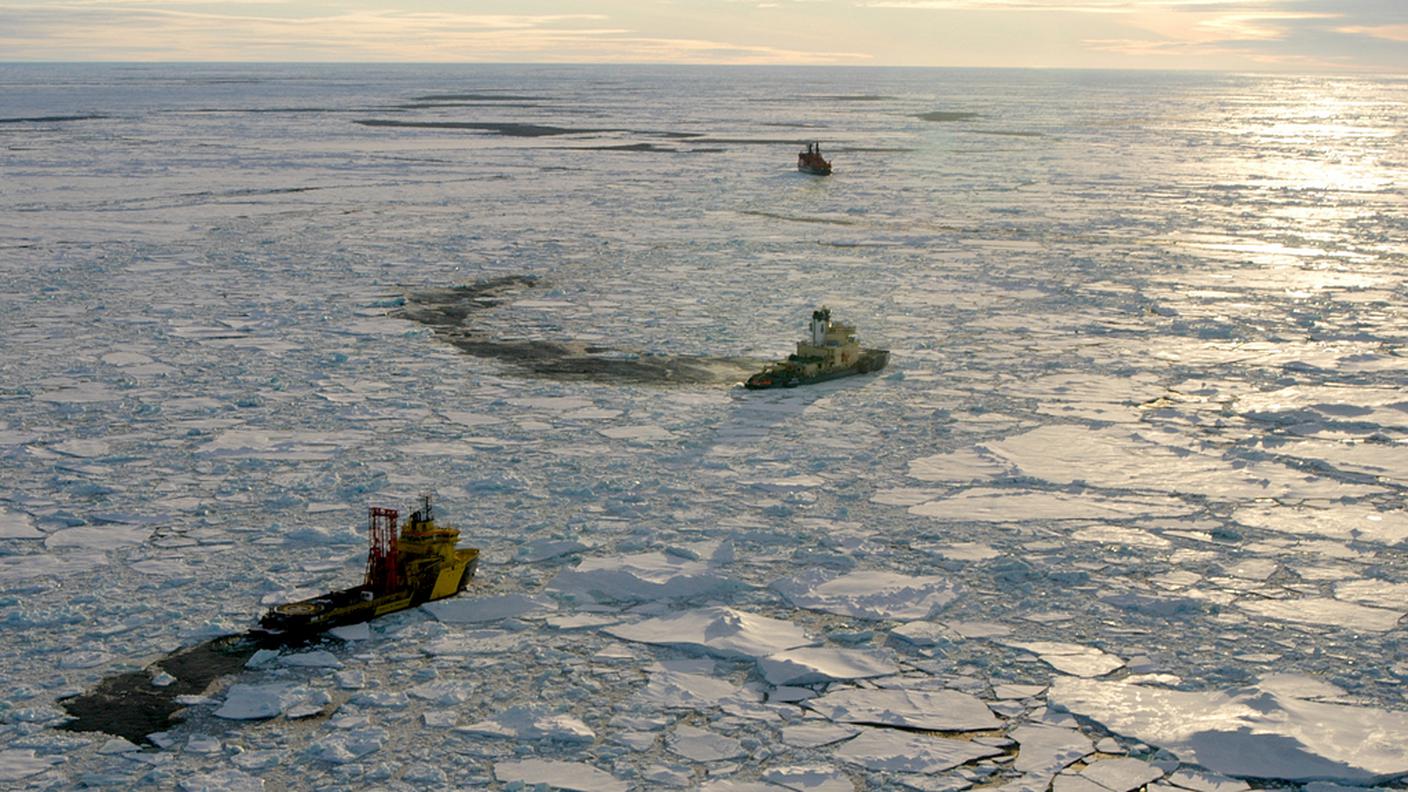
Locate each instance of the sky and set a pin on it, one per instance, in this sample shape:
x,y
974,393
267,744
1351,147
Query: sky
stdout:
x,y
1260,35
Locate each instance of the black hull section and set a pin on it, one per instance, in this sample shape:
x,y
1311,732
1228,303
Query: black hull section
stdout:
x,y
871,360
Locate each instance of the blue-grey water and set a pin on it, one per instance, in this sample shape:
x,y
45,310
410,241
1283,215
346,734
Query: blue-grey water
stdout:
x,y
1145,403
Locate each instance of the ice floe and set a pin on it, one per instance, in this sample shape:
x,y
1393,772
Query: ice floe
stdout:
x,y
869,594
809,665
702,745
890,751
717,630
643,576
1250,732
932,710
527,723
557,774
1326,611
1068,658
984,504
469,610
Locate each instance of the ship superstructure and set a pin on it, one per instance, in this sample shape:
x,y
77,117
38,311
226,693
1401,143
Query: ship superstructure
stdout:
x,y
809,160
829,351
418,563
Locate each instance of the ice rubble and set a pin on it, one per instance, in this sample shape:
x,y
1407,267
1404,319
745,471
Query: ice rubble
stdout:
x,y
1262,731
873,594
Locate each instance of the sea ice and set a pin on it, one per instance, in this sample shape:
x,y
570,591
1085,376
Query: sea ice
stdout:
x,y
463,610
1068,658
932,710
1324,610
527,723
1121,775
1360,522
1250,732
16,764
810,778
667,689
556,774
815,733
869,594
958,466
717,630
809,665
17,525
256,702
644,576
891,751
702,745
1004,505
98,537
317,658
228,779
360,631
1046,750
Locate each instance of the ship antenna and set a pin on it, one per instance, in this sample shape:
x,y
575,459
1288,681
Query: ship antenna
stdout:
x,y
425,506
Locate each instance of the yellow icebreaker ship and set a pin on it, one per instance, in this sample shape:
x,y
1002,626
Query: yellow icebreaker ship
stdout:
x,y
419,564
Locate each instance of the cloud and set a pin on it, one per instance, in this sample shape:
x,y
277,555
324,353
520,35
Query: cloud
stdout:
x,y
1387,32
104,30
1063,6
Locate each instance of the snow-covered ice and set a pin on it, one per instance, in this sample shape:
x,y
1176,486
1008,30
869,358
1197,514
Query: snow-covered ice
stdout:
x,y
869,594
720,631
932,710
1250,732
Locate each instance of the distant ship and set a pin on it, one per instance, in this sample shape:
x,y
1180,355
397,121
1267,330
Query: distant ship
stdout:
x,y
420,564
810,161
830,352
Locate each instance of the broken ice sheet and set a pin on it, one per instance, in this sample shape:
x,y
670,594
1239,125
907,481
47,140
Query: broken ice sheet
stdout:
x,y
959,466
643,576
810,665
257,702
983,504
98,537
1360,522
892,751
717,630
18,525
670,689
1069,658
702,745
556,774
869,594
1323,610
469,610
527,723
1121,458
1045,750
1255,732
931,710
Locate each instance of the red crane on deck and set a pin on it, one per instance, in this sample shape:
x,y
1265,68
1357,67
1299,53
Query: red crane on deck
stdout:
x,y
383,574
